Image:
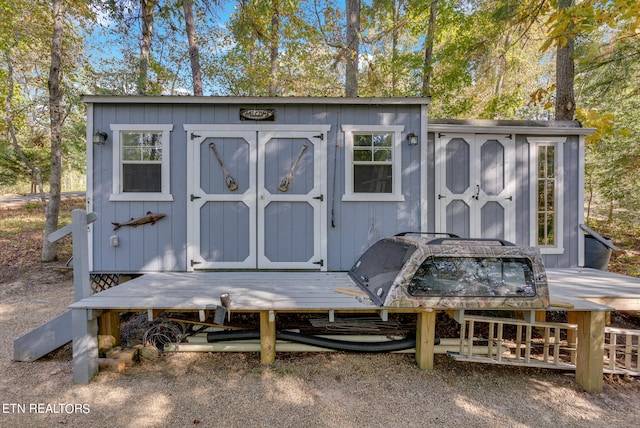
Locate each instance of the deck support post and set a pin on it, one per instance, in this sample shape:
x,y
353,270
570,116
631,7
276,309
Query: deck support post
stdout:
x,y
267,337
590,349
425,339
80,238
85,345
109,325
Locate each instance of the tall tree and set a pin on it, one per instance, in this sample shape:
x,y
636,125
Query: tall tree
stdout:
x,y
147,10
565,70
194,55
427,67
56,117
274,50
352,47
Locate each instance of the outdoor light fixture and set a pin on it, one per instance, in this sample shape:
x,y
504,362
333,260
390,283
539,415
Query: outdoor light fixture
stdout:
x,y
412,139
99,137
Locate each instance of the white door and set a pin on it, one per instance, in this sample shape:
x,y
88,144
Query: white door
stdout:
x,y
475,185
257,198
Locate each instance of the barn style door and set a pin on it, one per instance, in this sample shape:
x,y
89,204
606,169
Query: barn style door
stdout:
x,y
257,198
475,185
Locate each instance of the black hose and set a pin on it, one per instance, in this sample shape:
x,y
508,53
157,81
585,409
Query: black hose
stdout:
x,y
323,342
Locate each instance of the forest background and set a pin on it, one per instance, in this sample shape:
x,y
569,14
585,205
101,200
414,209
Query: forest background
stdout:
x,y
481,59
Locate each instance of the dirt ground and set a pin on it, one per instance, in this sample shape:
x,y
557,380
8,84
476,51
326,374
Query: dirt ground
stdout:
x,y
314,390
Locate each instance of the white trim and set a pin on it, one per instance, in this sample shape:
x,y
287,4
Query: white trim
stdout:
x,y
547,140
558,143
580,207
423,208
396,195
117,193
89,178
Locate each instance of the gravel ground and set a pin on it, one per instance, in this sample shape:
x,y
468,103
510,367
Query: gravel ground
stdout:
x,y
312,390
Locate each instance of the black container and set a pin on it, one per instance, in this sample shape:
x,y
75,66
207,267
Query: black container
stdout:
x,y
596,254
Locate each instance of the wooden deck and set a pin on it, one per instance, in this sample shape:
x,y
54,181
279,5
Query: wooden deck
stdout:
x,y
586,294
584,289
249,290
582,286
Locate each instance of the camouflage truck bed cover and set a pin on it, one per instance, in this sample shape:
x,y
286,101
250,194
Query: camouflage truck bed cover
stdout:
x,y
426,270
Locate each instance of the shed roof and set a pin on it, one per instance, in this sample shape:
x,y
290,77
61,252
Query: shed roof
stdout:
x,y
176,99
531,127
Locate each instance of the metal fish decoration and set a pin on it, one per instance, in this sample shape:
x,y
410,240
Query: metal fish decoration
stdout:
x,y
149,218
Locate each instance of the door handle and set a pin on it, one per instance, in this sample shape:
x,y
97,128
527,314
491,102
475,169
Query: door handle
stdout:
x,y
477,195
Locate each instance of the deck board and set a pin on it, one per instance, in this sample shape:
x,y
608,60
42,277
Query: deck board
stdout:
x,y
590,289
585,289
248,290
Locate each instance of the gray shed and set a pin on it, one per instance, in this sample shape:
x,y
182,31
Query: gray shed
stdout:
x,y
310,183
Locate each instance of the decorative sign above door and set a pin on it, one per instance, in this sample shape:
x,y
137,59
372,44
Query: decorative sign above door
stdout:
x,y
264,114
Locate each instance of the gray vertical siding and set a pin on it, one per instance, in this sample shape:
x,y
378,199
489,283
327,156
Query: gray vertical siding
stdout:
x,y
351,226
162,247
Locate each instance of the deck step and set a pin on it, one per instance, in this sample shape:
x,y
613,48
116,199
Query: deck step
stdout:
x,y
44,339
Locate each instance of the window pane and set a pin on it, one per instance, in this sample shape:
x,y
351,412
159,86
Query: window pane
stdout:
x,y
551,162
150,139
542,236
362,140
142,177
542,161
382,155
550,226
130,154
362,155
372,179
550,195
130,139
152,154
382,140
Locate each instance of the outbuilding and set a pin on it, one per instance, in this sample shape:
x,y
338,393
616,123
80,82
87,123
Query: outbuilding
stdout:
x,y
281,183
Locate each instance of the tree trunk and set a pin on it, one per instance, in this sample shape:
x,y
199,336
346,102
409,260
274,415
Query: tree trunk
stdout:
x,y
565,97
353,48
56,117
147,8
395,37
194,55
275,42
427,68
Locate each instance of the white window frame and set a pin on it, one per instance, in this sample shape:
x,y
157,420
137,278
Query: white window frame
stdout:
x,y
396,163
165,193
558,144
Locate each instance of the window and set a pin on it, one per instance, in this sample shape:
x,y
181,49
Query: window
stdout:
x,y
372,163
474,277
141,162
546,203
